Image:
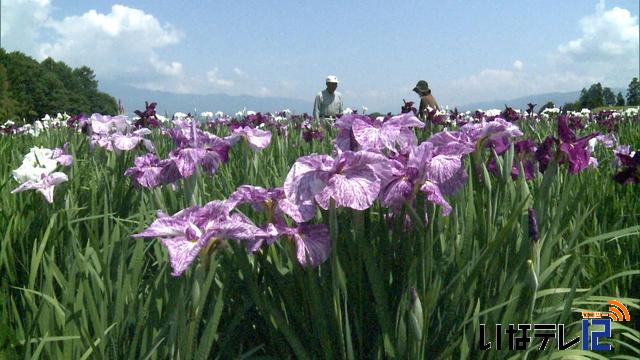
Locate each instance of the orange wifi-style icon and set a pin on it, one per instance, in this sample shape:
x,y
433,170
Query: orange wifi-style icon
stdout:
x,y
618,311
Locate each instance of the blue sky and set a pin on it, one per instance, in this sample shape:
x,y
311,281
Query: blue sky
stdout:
x,y
468,51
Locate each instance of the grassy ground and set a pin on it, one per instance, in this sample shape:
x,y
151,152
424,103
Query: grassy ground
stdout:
x,y
74,284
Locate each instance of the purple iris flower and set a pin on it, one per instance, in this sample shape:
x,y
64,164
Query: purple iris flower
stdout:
x,y
574,122
534,232
545,152
148,116
378,136
150,172
509,114
191,231
425,170
530,107
630,173
352,179
408,107
309,134
196,147
257,139
575,149
273,202
496,132
454,115
61,156
106,125
621,150
312,242
131,141
45,185
80,121
345,140
524,151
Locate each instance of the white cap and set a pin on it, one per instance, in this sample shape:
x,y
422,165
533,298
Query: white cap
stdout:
x,y
332,79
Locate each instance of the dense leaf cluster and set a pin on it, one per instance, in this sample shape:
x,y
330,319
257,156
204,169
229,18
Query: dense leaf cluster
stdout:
x,y
29,89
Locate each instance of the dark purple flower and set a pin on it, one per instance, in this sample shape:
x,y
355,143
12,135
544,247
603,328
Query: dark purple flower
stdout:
x,y
545,152
524,153
530,108
534,233
80,121
509,114
309,134
454,115
575,149
408,107
148,116
575,122
621,150
630,173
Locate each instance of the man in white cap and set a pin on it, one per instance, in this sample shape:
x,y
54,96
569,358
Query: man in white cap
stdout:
x,y
328,104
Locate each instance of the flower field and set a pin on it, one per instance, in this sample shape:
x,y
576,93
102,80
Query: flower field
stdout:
x,y
270,236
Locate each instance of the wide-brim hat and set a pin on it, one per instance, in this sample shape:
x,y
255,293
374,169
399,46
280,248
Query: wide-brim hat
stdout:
x,y
421,87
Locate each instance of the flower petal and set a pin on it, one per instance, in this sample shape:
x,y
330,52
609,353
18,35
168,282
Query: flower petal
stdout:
x,y
313,244
435,196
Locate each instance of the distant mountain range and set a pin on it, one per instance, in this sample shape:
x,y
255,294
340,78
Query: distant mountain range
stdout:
x,y
169,103
133,99
558,98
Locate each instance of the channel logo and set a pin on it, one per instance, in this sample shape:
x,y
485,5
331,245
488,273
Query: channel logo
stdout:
x,y
596,326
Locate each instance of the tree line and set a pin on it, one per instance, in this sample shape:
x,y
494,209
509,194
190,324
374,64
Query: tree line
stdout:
x,y
29,89
598,96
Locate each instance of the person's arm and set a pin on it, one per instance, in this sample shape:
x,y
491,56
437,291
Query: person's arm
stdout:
x,y
340,109
316,108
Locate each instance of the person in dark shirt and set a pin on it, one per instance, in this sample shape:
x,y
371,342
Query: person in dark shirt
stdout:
x,y
426,99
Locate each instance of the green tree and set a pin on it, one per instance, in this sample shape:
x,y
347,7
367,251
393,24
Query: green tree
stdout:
x,y
608,97
572,106
31,89
592,98
620,99
7,103
633,93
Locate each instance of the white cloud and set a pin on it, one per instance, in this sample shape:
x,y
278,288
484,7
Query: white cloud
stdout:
x,y
607,51
21,20
241,73
122,44
607,35
212,77
518,65
499,84
264,91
